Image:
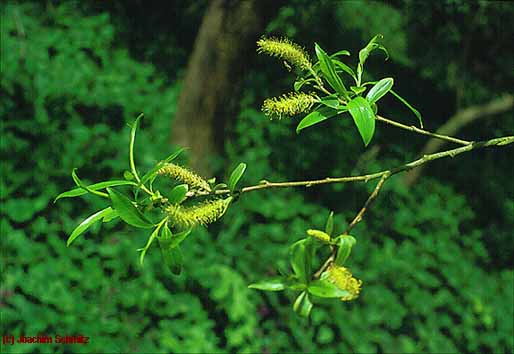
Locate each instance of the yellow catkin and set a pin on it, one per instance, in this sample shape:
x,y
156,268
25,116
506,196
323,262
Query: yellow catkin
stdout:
x,y
343,279
285,49
320,235
288,105
201,214
184,175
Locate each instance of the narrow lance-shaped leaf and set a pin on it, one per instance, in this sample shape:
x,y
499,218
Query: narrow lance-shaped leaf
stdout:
x,y
127,211
172,256
273,284
344,247
329,71
330,101
414,110
301,253
154,234
236,175
82,185
324,288
131,147
379,90
371,46
316,117
363,117
153,172
345,68
87,223
96,186
329,226
303,305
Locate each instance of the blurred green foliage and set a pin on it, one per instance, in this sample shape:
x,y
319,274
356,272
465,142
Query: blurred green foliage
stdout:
x,y
436,260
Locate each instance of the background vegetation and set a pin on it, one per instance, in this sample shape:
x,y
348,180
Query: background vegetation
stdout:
x,y
436,256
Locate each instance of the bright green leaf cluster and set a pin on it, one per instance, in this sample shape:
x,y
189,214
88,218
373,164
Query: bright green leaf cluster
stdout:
x,y
332,71
334,281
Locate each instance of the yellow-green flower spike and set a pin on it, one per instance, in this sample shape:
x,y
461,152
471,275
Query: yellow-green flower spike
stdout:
x,y
184,175
201,214
285,49
343,279
288,105
320,235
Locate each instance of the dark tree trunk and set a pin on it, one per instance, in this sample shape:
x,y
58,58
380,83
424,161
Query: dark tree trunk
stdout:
x,y
225,40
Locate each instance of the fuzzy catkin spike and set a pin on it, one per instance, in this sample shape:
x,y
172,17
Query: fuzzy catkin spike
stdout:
x,y
184,175
201,214
320,235
288,105
285,49
343,279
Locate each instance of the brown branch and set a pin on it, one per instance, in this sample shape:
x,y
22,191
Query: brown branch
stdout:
x,y
368,203
355,221
506,140
459,120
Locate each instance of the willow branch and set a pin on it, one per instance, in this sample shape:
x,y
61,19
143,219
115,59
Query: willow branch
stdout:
x,y
506,140
457,122
415,129
368,203
355,221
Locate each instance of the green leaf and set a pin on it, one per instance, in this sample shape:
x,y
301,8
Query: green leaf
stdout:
x,y
87,223
153,172
371,46
219,186
363,117
236,175
169,240
329,226
344,244
340,52
303,305
128,175
110,216
127,211
178,238
298,84
330,101
316,117
274,284
414,110
154,234
79,183
178,194
329,71
324,288
345,68
173,259
374,107
358,89
301,253
170,251
379,90
131,147
97,186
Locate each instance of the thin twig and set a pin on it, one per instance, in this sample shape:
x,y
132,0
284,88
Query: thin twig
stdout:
x,y
412,128
506,140
368,203
355,221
